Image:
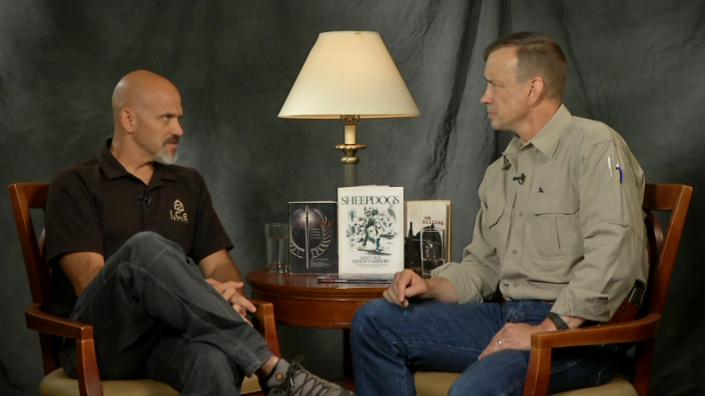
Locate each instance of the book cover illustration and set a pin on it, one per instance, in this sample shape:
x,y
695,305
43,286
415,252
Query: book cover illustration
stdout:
x,y
371,226
313,242
428,214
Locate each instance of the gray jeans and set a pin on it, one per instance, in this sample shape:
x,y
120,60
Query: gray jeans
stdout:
x,y
155,316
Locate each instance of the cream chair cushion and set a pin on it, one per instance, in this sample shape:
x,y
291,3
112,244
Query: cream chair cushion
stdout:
x,y
58,384
438,383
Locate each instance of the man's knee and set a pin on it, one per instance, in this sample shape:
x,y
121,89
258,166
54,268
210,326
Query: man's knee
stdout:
x,y
371,314
147,247
147,240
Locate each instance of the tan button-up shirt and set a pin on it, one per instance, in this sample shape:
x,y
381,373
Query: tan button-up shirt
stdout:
x,y
560,220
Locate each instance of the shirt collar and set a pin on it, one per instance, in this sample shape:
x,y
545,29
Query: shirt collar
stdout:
x,y
546,141
113,169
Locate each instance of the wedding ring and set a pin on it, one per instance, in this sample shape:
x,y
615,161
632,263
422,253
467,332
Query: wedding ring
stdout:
x,y
499,342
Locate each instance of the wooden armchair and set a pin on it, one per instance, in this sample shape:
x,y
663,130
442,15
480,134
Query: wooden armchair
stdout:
x,y
642,331
26,196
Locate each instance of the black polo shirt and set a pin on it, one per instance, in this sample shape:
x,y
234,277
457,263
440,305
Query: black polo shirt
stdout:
x,y
96,205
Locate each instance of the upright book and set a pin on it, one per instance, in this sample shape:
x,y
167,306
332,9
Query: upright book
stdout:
x,y
427,214
371,229
313,237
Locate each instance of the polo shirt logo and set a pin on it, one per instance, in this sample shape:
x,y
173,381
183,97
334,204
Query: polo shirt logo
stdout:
x,y
180,214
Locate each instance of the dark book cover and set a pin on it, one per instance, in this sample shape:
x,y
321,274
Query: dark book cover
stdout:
x,y
313,238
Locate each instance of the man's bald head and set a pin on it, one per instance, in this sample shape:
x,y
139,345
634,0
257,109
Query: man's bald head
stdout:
x,y
138,88
146,111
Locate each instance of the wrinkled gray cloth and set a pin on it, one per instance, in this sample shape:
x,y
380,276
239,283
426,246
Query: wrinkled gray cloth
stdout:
x,y
637,66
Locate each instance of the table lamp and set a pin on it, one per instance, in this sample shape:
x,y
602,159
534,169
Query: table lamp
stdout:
x,y
349,76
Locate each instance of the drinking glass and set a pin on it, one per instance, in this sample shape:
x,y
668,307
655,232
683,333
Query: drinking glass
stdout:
x,y
277,247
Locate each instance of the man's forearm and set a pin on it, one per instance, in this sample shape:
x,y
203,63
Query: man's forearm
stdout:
x,y
224,272
81,268
220,267
440,289
572,321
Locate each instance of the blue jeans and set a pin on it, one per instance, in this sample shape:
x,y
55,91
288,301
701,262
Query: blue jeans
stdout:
x,y
390,343
154,315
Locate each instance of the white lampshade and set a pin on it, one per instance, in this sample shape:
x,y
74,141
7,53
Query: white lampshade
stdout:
x,y
349,74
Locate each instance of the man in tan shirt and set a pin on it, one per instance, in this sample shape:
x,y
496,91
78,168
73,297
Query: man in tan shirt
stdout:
x,y
559,235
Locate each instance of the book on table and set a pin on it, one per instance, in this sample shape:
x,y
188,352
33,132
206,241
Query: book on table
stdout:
x,y
313,237
370,232
428,214
383,279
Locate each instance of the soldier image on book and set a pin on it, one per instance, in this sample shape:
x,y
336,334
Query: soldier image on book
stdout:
x,y
371,231
368,231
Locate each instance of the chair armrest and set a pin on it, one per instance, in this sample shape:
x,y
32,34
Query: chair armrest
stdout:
x,y
86,361
51,324
263,321
637,330
537,376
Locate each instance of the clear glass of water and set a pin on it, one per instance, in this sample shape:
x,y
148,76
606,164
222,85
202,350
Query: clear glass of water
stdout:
x,y
432,250
277,253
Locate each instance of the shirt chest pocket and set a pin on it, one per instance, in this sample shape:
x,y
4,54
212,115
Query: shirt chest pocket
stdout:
x,y
553,229
497,226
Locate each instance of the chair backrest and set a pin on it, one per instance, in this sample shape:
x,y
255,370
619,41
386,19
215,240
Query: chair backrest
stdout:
x,y
27,196
675,199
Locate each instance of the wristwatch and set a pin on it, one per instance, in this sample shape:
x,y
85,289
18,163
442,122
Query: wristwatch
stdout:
x,y
557,320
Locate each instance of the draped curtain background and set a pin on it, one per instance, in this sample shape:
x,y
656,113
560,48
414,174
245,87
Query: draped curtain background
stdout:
x,y
637,66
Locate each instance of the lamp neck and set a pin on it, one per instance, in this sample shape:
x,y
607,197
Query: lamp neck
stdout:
x,y
350,128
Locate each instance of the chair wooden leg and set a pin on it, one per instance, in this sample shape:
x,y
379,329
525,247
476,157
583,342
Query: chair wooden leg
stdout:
x,y
348,378
539,369
643,368
88,372
264,322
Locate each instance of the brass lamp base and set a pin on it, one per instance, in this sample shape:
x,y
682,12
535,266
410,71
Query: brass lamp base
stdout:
x,y
350,161
350,150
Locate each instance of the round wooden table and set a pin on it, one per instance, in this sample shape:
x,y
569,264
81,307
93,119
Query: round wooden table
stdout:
x,y
299,300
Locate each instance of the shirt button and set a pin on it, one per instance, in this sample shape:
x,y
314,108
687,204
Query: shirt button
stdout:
x,y
514,252
521,214
516,284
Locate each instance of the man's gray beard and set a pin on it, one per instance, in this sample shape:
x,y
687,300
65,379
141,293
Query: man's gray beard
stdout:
x,y
164,157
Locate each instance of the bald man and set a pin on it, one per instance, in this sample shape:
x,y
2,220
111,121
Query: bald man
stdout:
x,y
138,252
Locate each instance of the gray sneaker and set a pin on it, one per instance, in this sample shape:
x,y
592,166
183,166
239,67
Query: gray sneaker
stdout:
x,y
299,382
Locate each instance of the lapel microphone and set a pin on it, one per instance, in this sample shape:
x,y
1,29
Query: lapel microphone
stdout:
x,y
519,179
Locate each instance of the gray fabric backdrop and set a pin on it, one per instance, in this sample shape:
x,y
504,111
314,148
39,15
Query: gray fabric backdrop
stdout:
x,y
636,66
